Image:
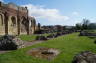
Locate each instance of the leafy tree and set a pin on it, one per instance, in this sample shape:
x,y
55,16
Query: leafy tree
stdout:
x,y
92,26
85,24
78,26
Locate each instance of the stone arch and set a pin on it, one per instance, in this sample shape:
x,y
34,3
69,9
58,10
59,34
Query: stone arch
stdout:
x,y
2,27
2,19
13,21
12,25
23,25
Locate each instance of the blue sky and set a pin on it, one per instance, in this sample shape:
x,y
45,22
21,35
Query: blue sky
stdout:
x,y
63,12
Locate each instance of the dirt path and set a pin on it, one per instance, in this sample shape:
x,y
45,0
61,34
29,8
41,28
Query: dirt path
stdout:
x,y
26,44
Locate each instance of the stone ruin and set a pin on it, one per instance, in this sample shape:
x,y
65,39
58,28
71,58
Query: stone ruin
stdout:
x,y
41,38
85,33
44,53
15,20
8,42
85,57
52,35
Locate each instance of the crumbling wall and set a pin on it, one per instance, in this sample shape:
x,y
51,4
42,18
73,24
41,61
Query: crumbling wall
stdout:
x,y
15,20
2,27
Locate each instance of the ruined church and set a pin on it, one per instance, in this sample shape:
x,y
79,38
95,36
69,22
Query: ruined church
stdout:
x,y
14,20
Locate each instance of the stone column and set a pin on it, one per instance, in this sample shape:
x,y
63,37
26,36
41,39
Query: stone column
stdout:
x,y
27,22
18,22
27,27
18,25
6,22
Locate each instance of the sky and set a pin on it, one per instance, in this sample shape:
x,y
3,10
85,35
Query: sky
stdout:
x,y
59,12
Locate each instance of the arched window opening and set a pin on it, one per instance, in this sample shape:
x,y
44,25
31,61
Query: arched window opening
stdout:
x,y
1,20
13,21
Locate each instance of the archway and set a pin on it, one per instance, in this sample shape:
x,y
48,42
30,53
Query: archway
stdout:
x,y
12,25
2,27
23,25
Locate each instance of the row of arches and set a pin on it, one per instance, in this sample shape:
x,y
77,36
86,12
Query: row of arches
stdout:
x,y
12,22
25,25
13,25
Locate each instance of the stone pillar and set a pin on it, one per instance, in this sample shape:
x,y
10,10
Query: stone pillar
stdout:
x,y
18,25
27,22
6,22
18,22
28,27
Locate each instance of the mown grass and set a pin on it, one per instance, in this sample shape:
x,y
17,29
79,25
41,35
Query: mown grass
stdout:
x,y
69,46
30,37
27,37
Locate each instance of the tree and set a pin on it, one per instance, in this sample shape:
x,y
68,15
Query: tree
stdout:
x,y
78,26
85,24
92,26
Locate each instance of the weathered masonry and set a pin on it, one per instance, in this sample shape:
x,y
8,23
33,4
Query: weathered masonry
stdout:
x,y
14,20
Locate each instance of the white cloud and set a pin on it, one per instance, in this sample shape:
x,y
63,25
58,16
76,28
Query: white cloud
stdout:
x,y
44,13
1,0
76,13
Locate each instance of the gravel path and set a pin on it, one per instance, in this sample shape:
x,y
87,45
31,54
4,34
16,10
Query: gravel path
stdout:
x,y
26,44
3,52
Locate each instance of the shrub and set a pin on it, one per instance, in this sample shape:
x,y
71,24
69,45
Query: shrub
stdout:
x,y
41,38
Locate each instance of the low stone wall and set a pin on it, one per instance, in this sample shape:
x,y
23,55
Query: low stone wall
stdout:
x,y
83,33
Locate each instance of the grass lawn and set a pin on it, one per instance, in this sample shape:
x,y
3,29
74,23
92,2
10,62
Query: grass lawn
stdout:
x,y
30,37
27,37
69,45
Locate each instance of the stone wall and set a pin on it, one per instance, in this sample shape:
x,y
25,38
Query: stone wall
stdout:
x,y
14,20
2,27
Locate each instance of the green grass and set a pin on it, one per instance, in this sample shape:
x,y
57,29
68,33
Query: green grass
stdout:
x,y
27,37
69,46
30,37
